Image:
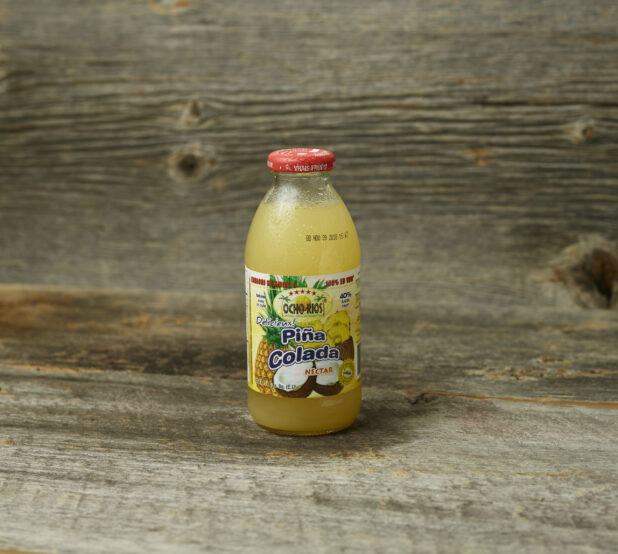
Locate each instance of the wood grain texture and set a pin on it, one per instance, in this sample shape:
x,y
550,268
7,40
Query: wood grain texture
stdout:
x,y
475,140
153,463
479,430
542,355
477,151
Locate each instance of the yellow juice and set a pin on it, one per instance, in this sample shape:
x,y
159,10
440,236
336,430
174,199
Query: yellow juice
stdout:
x,y
277,239
306,230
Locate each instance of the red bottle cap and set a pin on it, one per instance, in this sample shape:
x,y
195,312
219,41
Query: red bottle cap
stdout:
x,y
301,160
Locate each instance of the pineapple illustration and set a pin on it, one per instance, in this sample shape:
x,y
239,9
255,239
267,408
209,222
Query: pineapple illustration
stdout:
x,y
271,340
263,374
337,327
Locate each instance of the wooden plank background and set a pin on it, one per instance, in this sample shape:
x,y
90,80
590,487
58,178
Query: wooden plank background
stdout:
x,y
476,140
477,147
542,355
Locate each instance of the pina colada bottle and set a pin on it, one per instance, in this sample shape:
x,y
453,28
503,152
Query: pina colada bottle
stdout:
x,y
303,300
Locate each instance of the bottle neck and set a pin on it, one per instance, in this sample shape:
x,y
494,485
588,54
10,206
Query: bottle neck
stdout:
x,y
317,179
302,188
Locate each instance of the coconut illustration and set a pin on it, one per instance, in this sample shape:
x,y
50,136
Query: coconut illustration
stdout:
x,y
295,381
327,381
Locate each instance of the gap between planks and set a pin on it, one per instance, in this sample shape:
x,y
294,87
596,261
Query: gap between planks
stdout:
x,y
417,392
556,401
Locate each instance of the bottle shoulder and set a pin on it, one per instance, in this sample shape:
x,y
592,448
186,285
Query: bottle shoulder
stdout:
x,y
314,239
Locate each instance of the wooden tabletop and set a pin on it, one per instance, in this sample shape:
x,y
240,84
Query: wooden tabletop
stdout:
x,y
125,428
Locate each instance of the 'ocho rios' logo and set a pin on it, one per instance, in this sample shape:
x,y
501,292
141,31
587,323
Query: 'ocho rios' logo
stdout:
x,y
303,304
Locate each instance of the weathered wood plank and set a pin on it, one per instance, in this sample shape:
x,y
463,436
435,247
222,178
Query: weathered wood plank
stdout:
x,y
477,151
475,141
153,463
548,355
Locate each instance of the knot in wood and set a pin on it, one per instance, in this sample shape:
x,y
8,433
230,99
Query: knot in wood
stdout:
x,y
590,270
191,163
581,131
601,268
191,114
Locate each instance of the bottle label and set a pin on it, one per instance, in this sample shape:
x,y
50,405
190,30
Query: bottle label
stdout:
x,y
303,333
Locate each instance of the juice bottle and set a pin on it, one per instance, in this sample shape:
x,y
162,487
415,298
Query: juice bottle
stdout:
x,y
302,262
